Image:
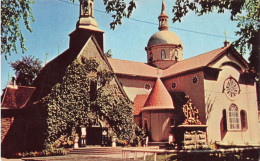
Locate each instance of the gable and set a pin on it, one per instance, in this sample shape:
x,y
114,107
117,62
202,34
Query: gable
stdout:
x,y
231,60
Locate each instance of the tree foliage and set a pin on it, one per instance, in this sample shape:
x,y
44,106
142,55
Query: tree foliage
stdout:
x,y
84,97
245,12
118,9
12,12
108,53
26,70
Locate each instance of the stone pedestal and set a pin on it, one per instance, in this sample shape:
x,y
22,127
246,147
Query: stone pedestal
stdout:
x,y
190,136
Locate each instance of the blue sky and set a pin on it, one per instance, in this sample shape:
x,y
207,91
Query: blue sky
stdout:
x,y
56,19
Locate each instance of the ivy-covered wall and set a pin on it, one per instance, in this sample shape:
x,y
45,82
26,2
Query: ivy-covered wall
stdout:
x,y
85,96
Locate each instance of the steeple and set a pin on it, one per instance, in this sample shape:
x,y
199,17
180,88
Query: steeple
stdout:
x,y
86,15
163,19
226,42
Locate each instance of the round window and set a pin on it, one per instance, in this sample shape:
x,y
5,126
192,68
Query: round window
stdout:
x,y
174,85
195,80
231,88
147,86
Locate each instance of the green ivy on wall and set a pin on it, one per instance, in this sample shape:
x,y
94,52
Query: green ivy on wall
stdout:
x,y
85,96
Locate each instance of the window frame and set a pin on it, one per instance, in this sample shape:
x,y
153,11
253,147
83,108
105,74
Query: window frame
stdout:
x,y
232,116
163,54
243,120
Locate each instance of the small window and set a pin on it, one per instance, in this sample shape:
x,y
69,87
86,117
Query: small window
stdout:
x,y
233,117
243,119
224,114
174,85
147,86
151,57
195,80
163,55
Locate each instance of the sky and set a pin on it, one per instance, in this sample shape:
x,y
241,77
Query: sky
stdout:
x,y
56,19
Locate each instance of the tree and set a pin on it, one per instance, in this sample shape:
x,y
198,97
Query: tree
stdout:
x,y
26,70
108,53
12,12
246,12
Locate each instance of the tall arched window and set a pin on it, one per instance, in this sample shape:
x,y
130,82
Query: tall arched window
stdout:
x,y
224,113
163,55
146,127
243,119
233,117
172,122
151,57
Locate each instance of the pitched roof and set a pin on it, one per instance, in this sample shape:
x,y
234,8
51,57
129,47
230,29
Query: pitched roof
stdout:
x,y
194,62
139,102
16,98
126,67
159,98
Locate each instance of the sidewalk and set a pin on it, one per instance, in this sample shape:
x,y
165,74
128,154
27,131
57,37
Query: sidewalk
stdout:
x,y
91,153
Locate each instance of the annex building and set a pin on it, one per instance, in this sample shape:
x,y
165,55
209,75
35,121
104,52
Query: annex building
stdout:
x,y
215,89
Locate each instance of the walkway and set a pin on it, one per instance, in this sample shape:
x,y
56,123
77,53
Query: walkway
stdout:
x,y
90,153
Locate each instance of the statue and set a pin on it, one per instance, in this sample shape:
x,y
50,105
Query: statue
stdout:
x,y
191,113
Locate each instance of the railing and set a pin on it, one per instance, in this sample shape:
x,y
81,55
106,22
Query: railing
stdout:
x,y
218,152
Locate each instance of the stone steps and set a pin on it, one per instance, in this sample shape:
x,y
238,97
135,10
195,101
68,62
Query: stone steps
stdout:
x,y
96,151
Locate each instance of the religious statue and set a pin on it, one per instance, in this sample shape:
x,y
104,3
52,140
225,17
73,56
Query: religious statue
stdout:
x,y
191,113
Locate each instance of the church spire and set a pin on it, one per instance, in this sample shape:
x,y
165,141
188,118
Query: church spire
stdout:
x,y
163,19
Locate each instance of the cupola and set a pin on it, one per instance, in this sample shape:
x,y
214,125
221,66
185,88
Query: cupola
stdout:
x,y
164,48
86,15
85,27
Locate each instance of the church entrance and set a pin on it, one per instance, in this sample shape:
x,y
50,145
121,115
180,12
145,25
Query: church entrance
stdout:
x,y
96,135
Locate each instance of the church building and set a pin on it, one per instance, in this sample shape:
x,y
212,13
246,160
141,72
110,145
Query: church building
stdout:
x,y
214,91
217,82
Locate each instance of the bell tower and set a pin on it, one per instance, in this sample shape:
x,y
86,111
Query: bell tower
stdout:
x,y
85,27
86,15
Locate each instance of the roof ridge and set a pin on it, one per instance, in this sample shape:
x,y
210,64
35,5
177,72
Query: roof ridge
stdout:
x,y
204,53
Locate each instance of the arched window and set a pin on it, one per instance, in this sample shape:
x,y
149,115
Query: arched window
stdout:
x,y
163,55
151,57
233,117
224,114
243,119
146,127
172,122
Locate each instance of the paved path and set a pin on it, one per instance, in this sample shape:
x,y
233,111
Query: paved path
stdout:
x,y
91,153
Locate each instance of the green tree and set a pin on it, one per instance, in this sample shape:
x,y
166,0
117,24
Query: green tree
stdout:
x,y
26,70
245,12
12,13
108,53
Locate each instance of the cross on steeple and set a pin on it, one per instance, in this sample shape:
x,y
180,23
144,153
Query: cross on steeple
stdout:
x,y
226,42
225,32
46,61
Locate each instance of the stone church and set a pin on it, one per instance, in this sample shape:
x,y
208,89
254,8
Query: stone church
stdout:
x,y
214,90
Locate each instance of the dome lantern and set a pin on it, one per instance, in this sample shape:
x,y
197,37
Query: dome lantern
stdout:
x,y
163,19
